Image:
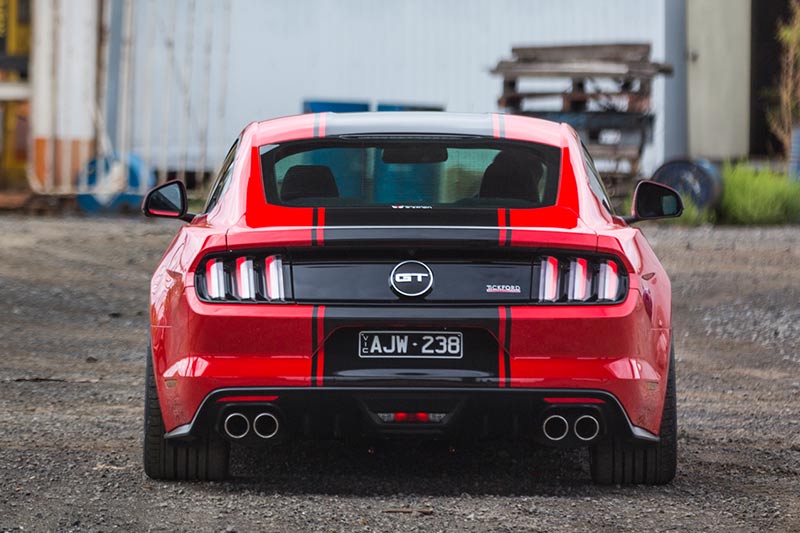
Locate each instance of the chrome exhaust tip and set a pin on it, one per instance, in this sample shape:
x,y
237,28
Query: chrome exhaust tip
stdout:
x,y
266,425
555,427
236,425
587,427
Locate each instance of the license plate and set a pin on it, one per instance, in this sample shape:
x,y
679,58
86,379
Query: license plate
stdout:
x,y
400,344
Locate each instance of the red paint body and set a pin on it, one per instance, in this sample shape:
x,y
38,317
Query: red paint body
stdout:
x,y
201,347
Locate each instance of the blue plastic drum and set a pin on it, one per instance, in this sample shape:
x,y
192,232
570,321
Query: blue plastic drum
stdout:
x,y
127,200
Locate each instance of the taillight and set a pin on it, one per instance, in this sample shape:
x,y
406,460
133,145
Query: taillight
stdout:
x,y
549,280
579,286
274,277
608,281
243,278
578,279
215,279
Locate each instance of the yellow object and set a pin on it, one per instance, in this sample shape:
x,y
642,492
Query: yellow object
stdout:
x,y
18,25
15,33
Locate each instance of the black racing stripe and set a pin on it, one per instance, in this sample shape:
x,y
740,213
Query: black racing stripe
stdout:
x,y
475,319
405,123
507,347
314,223
422,315
389,216
410,236
314,347
508,227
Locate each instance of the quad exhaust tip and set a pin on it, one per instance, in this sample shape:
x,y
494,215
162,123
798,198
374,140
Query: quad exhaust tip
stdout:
x,y
555,427
587,428
266,425
236,425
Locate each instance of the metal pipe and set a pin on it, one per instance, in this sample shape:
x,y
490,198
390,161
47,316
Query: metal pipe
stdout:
x,y
587,427
555,427
236,425
266,425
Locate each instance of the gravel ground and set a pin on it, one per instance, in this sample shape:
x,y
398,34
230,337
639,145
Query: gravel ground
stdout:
x,y
73,336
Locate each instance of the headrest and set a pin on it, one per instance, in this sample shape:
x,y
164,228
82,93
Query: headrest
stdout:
x,y
308,181
512,176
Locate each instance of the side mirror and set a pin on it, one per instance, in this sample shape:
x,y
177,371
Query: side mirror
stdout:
x,y
653,200
167,200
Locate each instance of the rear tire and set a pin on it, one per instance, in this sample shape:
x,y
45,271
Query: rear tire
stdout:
x,y
205,459
614,461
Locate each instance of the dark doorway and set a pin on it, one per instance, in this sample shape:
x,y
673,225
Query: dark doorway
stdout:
x,y
765,69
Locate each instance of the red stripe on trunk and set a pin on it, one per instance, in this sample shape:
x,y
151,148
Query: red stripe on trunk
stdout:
x,y
321,226
501,341
501,223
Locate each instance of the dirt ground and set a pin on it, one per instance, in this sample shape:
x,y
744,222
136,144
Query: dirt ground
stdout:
x,y
73,320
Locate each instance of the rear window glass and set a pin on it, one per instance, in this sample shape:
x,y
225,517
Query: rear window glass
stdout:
x,y
336,173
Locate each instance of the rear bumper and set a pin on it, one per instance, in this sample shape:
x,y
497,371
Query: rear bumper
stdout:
x,y
337,412
289,350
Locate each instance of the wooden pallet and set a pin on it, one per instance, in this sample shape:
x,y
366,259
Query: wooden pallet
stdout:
x,y
620,104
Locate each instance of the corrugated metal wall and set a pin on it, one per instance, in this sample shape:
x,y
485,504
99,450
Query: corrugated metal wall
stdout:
x,y
281,52
174,81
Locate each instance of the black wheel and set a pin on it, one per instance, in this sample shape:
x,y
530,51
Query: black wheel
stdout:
x,y
205,459
614,461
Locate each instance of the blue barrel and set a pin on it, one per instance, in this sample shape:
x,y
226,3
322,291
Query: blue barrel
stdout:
x,y
698,180
383,106
128,200
407,184
348,166
324,106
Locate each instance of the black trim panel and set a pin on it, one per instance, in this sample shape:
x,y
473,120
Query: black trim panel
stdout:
x,y
300,408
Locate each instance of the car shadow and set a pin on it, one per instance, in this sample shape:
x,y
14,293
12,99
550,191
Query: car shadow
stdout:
x,y
410,467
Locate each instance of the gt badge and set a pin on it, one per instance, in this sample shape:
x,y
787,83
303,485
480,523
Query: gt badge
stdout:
x,y
411,278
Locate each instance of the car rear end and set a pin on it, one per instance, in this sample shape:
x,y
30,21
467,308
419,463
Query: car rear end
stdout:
x,y
426,291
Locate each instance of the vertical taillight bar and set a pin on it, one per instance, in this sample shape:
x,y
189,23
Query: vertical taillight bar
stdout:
x,y
215,279
608,281
273,268
580,281
548,280
245,278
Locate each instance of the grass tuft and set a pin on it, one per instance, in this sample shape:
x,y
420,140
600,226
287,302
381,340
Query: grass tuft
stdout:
x,y
758,196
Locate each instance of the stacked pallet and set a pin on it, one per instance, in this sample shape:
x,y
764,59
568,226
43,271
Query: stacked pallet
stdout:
x,y
603,91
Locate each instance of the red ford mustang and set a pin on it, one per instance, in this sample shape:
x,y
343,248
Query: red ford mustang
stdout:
x,y
410,275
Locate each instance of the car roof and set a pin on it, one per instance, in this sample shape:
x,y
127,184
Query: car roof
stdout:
x,y
489,125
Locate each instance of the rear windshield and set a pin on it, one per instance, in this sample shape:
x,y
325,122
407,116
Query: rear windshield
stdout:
x,y
429,173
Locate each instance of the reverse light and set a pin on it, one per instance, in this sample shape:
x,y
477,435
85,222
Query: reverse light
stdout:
x,y
242,278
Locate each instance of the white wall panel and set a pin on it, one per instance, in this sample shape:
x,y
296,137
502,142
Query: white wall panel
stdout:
x,y
415,51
